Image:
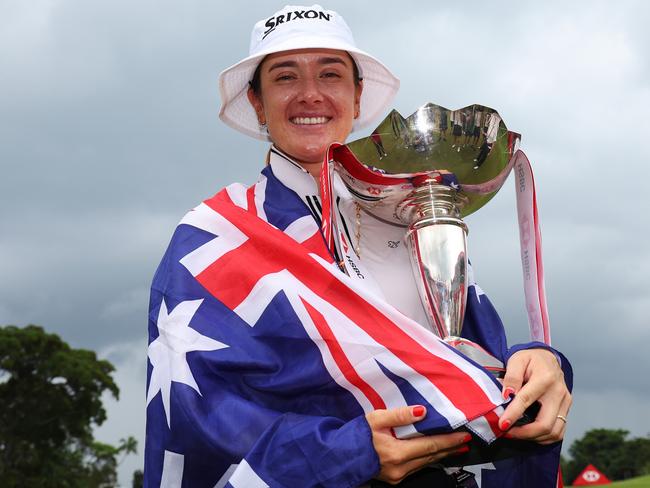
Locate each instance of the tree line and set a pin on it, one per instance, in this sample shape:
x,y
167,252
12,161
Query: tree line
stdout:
x,y
611,451
50,400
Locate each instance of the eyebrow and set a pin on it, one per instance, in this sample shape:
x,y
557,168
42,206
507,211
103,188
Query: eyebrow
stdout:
x,y
294,64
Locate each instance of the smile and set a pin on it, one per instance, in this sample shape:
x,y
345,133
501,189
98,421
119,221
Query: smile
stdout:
x,y
309,120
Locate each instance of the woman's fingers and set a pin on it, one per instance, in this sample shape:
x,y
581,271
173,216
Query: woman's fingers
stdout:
x,y
544,383
395,417
427,446
400,457
394,473
513,378
550,429
542,378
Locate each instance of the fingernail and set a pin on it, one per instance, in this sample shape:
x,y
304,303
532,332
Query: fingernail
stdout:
x,y
508,392
505,425
507,435
467,438
418,411
462,450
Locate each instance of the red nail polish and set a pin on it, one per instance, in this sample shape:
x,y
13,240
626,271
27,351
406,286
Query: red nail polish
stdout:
x,y
462,450
467,438
508,392
505,425
418,411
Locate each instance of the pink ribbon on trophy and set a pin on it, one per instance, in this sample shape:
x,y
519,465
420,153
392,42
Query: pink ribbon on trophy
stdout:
x,y
530,241
326,198
530,238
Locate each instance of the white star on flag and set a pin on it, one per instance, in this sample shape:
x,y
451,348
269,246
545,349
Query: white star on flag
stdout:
x,y
477,469
168,352
478,291
472,282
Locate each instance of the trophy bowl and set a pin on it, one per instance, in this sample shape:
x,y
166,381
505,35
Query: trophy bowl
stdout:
x,y
472,143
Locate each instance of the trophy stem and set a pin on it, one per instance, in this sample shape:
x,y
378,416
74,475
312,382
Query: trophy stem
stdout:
x,y
437,240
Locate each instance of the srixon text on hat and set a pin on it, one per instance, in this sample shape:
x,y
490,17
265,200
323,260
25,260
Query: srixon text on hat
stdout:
x,y
274,21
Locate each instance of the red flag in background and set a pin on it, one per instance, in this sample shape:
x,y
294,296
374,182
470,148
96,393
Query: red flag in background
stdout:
x,y
591,476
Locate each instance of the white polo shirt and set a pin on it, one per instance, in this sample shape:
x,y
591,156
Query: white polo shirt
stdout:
x,y
383,262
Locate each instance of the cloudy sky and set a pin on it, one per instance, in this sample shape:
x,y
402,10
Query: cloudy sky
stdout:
x,y
109,133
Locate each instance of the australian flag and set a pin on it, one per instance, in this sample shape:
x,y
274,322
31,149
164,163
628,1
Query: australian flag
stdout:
x,y
264,358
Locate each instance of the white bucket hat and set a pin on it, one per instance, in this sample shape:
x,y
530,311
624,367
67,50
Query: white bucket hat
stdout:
x,y
299,27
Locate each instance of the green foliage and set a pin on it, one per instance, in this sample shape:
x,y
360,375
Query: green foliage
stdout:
x,y
51,399
611,452
138,479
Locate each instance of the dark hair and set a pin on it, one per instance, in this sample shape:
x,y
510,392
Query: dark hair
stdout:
x,y
256,82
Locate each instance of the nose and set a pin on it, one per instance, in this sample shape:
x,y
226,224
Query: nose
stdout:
x,y
310,91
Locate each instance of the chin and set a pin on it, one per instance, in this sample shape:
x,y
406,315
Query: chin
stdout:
x,y
312,154
311,157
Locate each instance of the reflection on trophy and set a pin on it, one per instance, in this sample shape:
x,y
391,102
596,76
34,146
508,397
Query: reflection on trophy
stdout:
x,y
426,172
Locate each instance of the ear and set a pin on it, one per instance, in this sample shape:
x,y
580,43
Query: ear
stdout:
x,y
357,99
256,102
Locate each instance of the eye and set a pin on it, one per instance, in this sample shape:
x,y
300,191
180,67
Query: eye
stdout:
x,y
285,77
331,74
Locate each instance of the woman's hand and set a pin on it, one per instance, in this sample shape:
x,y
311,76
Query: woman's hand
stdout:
x,y
535,375
399,458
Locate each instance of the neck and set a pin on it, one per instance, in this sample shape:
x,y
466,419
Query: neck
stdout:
x,y
312,168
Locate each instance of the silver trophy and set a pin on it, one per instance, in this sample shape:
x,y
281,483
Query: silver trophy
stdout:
x,y
426,173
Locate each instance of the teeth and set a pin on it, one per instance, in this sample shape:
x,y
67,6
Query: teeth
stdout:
x,y
309,120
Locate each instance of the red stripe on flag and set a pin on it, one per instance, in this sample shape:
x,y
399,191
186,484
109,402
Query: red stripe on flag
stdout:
x,y
232,277
315,244
223,196
250,200
341,359
268,250
493,419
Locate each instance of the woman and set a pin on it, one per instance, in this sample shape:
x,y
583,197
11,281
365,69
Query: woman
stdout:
x,y
249,371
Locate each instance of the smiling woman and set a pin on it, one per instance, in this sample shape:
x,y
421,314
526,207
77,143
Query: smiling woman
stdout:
x,y
307,99
268,365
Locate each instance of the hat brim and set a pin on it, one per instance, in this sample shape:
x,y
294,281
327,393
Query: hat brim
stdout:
x,y
379,86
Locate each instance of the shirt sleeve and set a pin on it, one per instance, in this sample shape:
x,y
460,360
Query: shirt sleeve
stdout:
x,y
561,358
484,326
309,451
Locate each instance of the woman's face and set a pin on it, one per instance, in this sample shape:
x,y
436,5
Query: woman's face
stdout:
x,y
308,99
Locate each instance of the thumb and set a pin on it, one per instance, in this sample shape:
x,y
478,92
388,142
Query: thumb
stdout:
x,y
395,417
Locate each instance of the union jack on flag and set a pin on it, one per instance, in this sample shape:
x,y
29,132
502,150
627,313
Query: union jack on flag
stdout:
x,y
264,357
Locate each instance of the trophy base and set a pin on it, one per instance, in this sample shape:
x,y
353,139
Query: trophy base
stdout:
x,y
477,354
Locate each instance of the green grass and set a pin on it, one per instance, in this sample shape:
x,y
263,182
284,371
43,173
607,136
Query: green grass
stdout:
x,y
641,482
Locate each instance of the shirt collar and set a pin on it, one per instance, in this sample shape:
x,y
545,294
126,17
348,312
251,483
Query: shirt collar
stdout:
x,y
291,174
